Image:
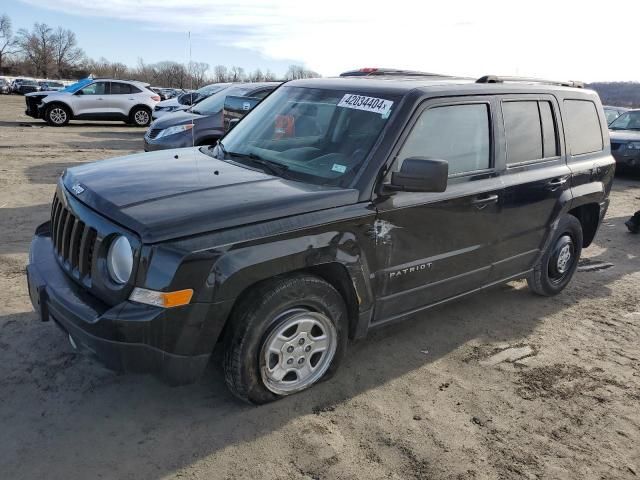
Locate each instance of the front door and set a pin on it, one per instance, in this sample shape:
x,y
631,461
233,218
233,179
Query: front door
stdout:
x,y
91,100
434,246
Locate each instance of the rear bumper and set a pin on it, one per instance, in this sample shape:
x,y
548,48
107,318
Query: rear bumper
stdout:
x,y
125,337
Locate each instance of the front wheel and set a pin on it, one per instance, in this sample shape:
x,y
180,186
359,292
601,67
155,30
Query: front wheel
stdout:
x,y
140,117
556,267
57,115
285,336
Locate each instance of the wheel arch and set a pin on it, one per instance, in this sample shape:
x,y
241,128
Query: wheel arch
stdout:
x,y
588,214
60,103
140,105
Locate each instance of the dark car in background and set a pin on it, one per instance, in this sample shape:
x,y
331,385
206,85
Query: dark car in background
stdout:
x,y
25,86
611,113
624,133
185,100
203,124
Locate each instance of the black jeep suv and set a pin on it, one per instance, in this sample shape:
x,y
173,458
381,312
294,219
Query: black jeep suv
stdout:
x,y
335,207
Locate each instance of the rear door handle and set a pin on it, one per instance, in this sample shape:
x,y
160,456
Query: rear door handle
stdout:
x,y
557,182
482,201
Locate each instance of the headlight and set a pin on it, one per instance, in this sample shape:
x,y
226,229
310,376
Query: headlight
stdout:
x,y
633,145
120,260
173,130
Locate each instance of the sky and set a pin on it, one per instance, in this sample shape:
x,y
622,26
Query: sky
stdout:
x,y
556,39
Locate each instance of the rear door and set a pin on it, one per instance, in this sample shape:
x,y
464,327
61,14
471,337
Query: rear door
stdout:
x,y
536,180
122,98
434,246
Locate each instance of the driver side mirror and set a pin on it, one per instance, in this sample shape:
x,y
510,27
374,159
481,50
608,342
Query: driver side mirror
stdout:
x,y
421,174
79,92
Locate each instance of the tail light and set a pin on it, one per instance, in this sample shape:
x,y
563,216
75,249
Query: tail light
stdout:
x,y
155,98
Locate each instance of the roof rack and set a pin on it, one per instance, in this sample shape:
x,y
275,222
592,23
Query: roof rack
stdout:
x,y
367,72
499,79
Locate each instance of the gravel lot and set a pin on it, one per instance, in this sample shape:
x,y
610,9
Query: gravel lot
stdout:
x,y
440,396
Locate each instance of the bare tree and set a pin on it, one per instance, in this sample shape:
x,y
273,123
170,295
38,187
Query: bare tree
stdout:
x,y
8,43
295,72
269,76
37,46
198,73
256,76
220,74
67,54
237,74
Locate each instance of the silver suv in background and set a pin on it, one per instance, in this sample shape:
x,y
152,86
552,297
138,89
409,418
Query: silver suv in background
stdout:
x,y
95,99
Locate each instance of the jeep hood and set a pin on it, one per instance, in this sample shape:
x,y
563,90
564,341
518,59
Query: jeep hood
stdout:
x,y
176,193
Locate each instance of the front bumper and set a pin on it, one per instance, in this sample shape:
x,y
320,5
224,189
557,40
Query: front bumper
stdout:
x,y
126,337
627,158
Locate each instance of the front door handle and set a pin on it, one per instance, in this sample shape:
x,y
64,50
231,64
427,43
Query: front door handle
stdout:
x,y
482,201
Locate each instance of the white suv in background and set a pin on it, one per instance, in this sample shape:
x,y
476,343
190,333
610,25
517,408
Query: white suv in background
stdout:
x,y
95,99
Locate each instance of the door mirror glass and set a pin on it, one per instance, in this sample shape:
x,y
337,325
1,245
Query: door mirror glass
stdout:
x,y
421,174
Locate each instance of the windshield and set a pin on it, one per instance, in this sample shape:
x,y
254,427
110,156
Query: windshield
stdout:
x,y
215,102
313,135
627,121
74,87
29,83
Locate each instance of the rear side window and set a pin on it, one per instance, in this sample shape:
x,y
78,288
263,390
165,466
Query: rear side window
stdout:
x,y
530,131
456,133
583,127
118,88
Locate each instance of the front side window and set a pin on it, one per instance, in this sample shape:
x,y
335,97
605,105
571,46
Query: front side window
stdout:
x,y
530,131
583,127
320,136
98,88
458,134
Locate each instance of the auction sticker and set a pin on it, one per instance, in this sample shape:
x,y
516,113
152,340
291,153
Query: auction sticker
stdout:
x,y
368,104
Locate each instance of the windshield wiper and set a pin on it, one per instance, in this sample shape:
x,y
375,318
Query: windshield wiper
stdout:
x,y
274,168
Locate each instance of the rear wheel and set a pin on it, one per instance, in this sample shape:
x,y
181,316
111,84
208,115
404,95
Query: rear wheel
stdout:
x,y
57,115
285,336
140,116
556,267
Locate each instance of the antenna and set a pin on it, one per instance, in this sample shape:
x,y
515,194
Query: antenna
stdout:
x,y
193,140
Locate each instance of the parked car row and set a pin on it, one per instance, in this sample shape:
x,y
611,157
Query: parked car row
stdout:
x,y
23,86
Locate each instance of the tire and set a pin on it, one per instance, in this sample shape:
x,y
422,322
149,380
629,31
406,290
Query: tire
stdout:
x,y
556,267
140,116
57,115
279,313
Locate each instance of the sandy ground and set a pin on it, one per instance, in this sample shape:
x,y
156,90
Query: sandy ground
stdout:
x,y
424,399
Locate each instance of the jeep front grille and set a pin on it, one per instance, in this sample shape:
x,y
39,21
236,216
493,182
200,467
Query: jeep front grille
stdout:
x,y
73,241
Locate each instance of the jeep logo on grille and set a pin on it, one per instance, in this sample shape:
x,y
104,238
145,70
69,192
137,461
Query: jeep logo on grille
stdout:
x,y
77,189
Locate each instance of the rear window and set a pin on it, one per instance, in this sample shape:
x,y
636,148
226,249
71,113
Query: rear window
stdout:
x,y
583,127
530,131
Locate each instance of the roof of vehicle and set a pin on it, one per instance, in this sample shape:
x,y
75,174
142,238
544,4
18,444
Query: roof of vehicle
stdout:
x,y
615,108
137,82
401,83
